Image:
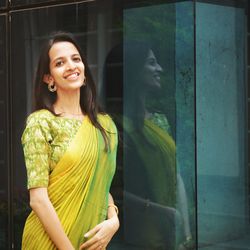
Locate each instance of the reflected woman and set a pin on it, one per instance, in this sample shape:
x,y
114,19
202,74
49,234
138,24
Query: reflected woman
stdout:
x,y
70,153
152,186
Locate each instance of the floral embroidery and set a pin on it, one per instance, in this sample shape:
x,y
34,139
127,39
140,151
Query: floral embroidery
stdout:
x,y
45,140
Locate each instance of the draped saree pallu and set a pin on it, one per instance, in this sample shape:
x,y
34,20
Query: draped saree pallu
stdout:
x,y
78,186
150,160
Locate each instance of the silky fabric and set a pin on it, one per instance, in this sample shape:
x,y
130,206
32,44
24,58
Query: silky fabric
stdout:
x,y
78,186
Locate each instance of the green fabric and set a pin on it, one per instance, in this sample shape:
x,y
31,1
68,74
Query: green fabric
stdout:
x,y
161,121
78,186
150,158
45,139
150,184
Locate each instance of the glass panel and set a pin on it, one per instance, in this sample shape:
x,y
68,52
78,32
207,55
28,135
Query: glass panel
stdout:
x,y
3,137
158,118
165,104
223,185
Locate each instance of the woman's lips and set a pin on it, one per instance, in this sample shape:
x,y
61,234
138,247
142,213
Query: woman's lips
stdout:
x,y
157,77
72,76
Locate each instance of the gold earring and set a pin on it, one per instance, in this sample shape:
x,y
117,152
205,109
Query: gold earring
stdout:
x,y
84,81
51,87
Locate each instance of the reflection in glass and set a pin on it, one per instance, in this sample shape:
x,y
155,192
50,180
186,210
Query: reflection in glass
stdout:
x,y
156,212
149,156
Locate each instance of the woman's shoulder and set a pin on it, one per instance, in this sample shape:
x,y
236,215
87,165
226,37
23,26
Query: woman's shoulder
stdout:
x,y
39,116
107,122
38,125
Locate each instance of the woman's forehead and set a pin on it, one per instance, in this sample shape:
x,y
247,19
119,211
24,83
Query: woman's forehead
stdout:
x,y
62,49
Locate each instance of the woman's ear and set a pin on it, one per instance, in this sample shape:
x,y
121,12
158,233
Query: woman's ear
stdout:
x,y
47,78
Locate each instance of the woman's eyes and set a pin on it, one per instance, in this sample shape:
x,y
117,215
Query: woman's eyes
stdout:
x,y
151,62
77,59
61,62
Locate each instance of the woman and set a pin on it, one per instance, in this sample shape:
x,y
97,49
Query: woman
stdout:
x,y
152,188
155,188
70,153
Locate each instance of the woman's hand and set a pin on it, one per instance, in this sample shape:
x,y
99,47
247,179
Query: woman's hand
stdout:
x,y
101,234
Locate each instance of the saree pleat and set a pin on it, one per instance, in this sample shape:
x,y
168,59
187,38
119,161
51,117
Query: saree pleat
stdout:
x,y
78,187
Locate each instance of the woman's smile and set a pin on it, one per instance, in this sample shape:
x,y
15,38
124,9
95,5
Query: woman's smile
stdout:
x,y
152,71
72,76
157,77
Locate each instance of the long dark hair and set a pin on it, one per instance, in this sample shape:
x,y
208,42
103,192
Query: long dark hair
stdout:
x,y
44,99
135,55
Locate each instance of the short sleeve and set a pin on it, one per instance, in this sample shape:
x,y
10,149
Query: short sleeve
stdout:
x,y
36,148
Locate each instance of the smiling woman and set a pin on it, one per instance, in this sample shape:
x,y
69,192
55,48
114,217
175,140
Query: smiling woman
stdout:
x,y
66,68
69,208
152,70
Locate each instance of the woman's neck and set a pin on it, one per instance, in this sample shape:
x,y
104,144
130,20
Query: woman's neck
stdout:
x,y
68,103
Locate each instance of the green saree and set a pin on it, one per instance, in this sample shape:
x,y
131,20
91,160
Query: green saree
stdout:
x,y
78,185
149,185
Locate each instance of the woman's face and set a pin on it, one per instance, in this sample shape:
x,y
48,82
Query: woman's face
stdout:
x,y
151,71
66,67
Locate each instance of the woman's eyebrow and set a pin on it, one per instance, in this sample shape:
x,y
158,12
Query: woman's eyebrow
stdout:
x,y
61,57
56,59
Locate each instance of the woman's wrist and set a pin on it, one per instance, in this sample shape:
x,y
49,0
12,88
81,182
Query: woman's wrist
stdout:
x,y
112,211
115,222
189,242
112,216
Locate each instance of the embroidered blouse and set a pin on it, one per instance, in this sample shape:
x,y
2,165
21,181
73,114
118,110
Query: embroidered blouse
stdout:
x,y
45,140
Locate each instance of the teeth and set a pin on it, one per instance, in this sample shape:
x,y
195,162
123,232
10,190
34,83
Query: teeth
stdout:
x,y
73,75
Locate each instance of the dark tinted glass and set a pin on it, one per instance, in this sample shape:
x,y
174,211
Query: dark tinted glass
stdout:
x,y
223,170
158,125
3,136
3,3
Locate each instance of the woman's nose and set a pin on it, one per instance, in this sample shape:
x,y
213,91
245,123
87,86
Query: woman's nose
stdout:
x,y
70,65
159,68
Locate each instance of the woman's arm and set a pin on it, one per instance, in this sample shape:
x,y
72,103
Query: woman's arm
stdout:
x,y
103,232
43,208
140,203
